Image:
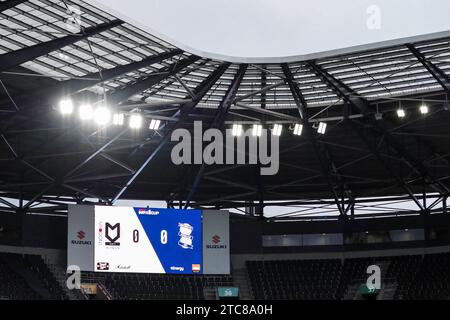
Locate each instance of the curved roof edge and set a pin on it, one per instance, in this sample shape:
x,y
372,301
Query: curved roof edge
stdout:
x,y
268,60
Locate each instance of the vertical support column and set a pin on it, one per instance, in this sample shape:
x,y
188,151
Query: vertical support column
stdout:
x,y
444,204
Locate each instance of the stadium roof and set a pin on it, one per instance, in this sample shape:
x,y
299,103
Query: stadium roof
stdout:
x,y
43,155
271,31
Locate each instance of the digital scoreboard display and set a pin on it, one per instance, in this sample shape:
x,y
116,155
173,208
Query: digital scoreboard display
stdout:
x,y
147,240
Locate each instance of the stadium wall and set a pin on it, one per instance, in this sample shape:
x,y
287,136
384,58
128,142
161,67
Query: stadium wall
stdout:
x,y
50,232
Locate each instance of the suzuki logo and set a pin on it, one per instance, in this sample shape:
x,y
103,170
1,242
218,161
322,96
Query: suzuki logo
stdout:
x,y
216,239
81,235
216,243
108,232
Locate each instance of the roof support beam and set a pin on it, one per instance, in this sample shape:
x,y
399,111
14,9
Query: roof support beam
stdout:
x,y
85,192
262,91
263,85
363,106
26,163
15,58
224,107
203,89
73,86
172,80
76,85
374,149
319,149
36,197
8,4
184,85
7,203
123,94
441,77
186,108
268,112
95,153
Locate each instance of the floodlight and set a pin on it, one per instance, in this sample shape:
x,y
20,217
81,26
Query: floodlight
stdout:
x,y
237,130
66,106
322,128
298,129
102,115
154,124
401,113
424,109
86,112
118,119
257,130
135,121
277,128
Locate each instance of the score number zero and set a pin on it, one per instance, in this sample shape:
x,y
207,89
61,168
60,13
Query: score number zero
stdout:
x,y
164,237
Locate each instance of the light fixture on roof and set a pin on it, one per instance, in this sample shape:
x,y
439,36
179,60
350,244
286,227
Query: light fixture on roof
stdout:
x,y
154,124
102,115
257,130
298,129
322,128
277,129
401,113
118,119
378,115
424,109
86,112
135,121
236,130
66,106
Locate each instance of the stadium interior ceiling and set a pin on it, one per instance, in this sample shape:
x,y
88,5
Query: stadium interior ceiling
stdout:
x,y
369,159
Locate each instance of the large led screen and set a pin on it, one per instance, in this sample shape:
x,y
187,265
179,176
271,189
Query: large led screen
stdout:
x,y
147,240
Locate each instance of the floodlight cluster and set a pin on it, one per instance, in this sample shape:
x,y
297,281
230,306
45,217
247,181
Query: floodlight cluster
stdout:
x,y
103,116
423,109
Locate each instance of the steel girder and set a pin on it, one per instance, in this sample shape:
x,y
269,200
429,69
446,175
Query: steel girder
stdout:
x,y
154,79
263,85
361,105
75,85
8,4
15,58
203,89
95,153
7,203
224,107
441,77
185,109
123,94
326,163
70,87
372,145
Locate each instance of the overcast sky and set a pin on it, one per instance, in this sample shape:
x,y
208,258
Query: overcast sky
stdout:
x,y
279,28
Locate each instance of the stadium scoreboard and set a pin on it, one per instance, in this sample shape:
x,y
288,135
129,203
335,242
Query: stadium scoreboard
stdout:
x,y
148,240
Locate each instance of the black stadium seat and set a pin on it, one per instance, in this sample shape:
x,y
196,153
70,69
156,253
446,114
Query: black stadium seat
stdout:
x,y
158,287
13,284
416,277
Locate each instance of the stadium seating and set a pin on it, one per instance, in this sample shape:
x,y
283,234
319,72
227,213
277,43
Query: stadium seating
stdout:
x,y
429,280
413,277
314,279
12,285
37,265
157,287
15,284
